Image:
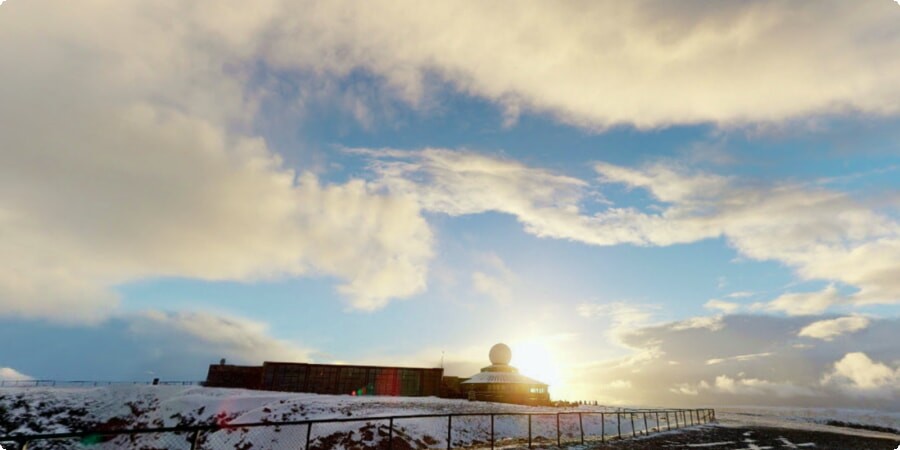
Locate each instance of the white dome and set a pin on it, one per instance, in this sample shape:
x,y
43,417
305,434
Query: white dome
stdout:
x,y
500,354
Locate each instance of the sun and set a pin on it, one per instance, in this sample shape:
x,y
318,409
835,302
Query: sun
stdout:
x,y
536,359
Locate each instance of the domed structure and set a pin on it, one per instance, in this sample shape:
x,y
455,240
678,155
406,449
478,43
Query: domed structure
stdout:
x,y
501,382
500,354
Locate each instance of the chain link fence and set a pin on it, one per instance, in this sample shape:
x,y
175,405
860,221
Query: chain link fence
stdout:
x,y
407,432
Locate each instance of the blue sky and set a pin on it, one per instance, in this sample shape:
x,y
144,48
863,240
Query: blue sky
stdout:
x,y
615,191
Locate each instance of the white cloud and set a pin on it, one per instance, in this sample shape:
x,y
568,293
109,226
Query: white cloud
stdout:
x,y
496,281
461,182
806,303
829,329
237,338
649,63
619,384
10,374
725,307
708,322
624,316
755,386
725,365
748,357
821,234
126,154
858,373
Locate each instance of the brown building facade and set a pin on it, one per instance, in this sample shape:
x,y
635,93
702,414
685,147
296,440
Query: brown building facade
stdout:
x,y
329,379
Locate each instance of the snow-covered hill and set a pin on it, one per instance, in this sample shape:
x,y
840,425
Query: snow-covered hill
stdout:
x,y
57,410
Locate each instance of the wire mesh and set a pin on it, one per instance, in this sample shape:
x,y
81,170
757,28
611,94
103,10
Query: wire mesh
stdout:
x,y
543,429
142,441
420,433
275,437
407,433
510,430
471,431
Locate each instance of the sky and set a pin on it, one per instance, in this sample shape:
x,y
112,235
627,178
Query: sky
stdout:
x,y
651,202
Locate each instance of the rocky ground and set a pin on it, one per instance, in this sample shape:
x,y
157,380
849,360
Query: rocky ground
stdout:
x,y
753,438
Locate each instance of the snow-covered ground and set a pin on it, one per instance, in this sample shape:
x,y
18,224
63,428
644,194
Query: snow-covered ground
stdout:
x,y
812,419
56,410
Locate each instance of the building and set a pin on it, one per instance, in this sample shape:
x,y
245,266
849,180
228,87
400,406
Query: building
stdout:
x,y
329,379
498,382
503,383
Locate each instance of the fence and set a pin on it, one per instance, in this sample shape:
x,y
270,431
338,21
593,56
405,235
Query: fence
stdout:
x,y
80,383
402,432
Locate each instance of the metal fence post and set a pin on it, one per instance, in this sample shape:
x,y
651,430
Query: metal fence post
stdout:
x,y
558,436
658,428
633,433
581,427
390,434
668,423
449,431
619,423
492,432
602,427
676,419
529,431
646,428
308,433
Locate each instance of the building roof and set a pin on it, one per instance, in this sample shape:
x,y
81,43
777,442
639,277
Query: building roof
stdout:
x,y
501,377
500,371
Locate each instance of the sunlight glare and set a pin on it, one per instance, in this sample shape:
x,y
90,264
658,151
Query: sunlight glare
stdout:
x,y
536,359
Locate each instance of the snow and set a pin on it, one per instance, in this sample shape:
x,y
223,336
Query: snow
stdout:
x,y
45,410
811,419
42,410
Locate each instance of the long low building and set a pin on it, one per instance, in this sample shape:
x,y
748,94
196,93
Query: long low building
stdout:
x,y
329,378
498,382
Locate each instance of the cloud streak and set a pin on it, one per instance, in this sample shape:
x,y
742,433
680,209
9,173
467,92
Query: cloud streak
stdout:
x,y
822,234
646,63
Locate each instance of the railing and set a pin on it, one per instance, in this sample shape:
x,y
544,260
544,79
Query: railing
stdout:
x,y
506,428
84,383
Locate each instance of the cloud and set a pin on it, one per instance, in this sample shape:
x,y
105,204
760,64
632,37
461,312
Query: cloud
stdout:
x,y
130,154
860,374
725,307
646,63
709,322
805,303
751,359
496,281
822,234
754,386
237,338
462,182
623,316
145,345
10,374
829,329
